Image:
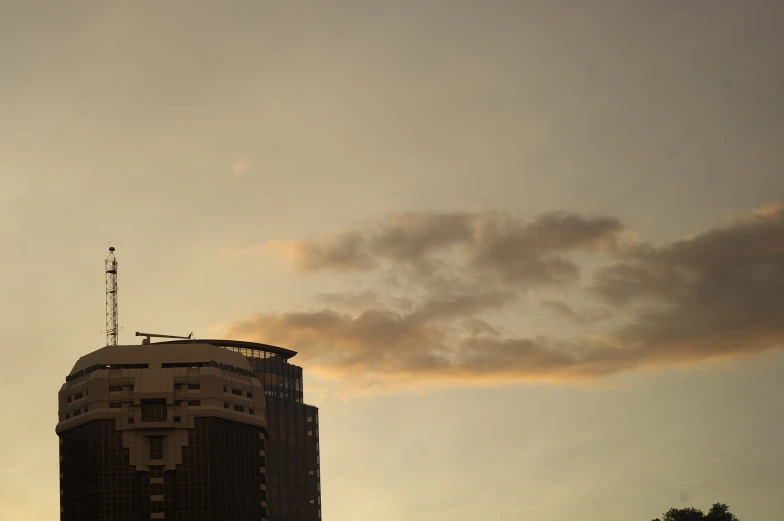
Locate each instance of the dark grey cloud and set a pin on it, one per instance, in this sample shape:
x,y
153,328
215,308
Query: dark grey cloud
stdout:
x,y
535,253
367,299
491,245
342,252
565,311
412,237
719,292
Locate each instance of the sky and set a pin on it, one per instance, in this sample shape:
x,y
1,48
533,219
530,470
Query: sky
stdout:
x,y
531,253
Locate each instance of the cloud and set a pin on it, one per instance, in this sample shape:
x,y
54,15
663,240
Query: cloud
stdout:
x,y
382,346
478,327
717,294
367,299
493,246
565,311
341,252
242,166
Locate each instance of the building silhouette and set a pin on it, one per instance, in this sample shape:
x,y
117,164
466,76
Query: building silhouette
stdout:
x,y
196,430
292,449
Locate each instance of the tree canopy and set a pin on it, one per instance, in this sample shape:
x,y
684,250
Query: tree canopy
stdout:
x,y
718,512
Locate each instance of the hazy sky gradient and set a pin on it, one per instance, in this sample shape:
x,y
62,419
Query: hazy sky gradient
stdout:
x,y
183,130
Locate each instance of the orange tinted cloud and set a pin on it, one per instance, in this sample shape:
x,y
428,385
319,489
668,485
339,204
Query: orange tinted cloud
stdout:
x,y
242,166
717,294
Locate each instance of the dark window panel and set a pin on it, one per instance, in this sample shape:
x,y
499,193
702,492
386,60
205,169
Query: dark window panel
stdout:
x,y
154,410
156,447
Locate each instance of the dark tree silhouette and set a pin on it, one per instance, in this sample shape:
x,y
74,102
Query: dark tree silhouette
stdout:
x,y
718,512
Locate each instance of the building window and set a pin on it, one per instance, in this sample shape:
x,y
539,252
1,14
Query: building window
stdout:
x,y
156,448
69,399
224,389
177,402
250,411
86,408
156,507
225,405
154,410
237,392
239,408
67,416
194,386
194,403
156,489
178,386
79,396
115,405
130,420
176,419
156,471
115,388
130,387
250,395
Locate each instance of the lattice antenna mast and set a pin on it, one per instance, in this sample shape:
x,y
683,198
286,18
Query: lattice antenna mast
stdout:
x,y
112,329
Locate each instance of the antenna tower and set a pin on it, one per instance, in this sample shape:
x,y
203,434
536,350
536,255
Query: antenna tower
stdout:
x,y
112,331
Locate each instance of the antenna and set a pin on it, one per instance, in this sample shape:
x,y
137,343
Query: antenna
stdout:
x,y
112,331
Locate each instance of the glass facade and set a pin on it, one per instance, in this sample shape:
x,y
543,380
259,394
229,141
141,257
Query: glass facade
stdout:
x,y
219,478
97,481
293,466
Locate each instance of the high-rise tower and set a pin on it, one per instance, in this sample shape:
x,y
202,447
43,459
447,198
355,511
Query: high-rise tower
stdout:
x,y
293,460
162,431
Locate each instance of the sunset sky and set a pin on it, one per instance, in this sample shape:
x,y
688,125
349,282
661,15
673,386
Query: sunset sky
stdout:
x,y
531,253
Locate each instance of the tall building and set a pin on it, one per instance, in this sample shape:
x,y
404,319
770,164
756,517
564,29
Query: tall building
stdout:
x,y
293,461
162,431
179,430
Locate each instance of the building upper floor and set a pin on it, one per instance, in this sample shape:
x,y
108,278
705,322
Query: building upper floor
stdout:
x,y
281,378
160,386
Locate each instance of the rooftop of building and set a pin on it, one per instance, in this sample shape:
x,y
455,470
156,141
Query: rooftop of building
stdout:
x,y
179,352
255,346
160,353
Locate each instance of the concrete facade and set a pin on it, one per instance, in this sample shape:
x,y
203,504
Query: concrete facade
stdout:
x,y
158,399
